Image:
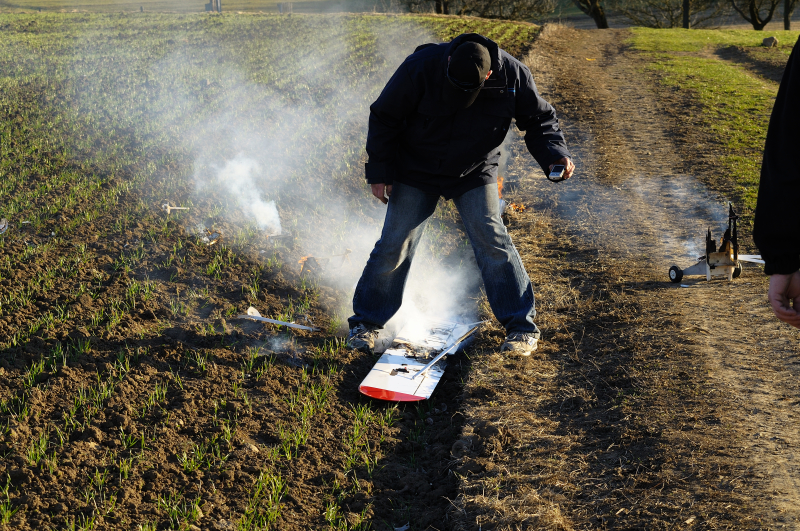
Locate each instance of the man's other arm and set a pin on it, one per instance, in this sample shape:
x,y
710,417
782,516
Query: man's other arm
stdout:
x,y
537,118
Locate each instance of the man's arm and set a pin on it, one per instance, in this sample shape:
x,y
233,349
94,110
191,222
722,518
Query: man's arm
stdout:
x,y
537,118
386,122
776,228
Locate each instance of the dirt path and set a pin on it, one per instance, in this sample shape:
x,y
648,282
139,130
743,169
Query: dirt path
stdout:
x,y
631,199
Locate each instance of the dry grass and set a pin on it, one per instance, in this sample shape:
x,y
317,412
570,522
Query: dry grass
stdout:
x,y
613,425
633,416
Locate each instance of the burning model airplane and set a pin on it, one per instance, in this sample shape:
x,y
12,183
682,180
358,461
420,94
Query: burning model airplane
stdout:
x,y
722,262
410,369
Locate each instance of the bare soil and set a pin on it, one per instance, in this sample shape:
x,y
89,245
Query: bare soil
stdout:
x,y
652,405
186,339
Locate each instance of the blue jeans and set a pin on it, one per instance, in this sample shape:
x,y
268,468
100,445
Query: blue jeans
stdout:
x,y
379,292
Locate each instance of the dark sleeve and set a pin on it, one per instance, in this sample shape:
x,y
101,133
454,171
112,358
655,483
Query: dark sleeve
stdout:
x,y
776,229
538,119
387,118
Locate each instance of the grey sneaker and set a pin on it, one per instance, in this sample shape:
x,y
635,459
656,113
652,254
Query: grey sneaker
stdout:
x,y
520,344
362,338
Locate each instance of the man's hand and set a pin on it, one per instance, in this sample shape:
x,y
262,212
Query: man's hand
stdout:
x,y
379,189
569,167
782,288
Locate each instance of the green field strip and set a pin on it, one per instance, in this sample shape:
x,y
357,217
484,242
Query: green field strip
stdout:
x,y
190,6
736,104
696,40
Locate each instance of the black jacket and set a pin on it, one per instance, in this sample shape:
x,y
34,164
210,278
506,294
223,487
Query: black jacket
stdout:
x,y
776,229
416,139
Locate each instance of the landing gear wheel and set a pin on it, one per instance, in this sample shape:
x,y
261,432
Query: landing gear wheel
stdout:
x,y
676,274
737,271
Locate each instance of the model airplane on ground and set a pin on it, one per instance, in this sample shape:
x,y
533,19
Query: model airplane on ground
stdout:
x,y
722,262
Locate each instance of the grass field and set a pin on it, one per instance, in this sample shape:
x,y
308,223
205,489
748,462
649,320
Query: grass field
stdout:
x,y
736,102
191,6
132,397
565,8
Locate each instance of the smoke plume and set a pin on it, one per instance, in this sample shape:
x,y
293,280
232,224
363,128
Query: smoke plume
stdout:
x,y
239,178
285,158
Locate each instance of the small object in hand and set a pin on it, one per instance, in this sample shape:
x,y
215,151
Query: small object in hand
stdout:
x,y
166,208
556,173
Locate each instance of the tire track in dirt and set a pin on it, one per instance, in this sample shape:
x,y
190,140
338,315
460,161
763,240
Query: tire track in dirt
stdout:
x,y
754,358
629,197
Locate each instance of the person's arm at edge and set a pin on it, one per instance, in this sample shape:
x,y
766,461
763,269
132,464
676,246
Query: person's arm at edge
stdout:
x,y
784,297
776,226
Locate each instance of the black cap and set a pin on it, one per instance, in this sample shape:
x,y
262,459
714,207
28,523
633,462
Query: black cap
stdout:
x,y
466,72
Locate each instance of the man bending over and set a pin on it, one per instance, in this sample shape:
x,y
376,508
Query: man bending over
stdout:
x,y
434,131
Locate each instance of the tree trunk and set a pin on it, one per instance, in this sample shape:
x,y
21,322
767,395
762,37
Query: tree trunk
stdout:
x,y
686,14
594,9
599,15
787,14
752,12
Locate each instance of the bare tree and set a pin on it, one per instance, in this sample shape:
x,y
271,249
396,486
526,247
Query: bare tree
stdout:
x,y
788,9
507,9
669,13
593,8
751,11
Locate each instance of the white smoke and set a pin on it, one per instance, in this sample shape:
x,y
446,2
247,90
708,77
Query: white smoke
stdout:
x,y
313,150
277,146
239,178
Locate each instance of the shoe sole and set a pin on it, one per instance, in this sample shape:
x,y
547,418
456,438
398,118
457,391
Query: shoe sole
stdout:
x,y
524,353
361,346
